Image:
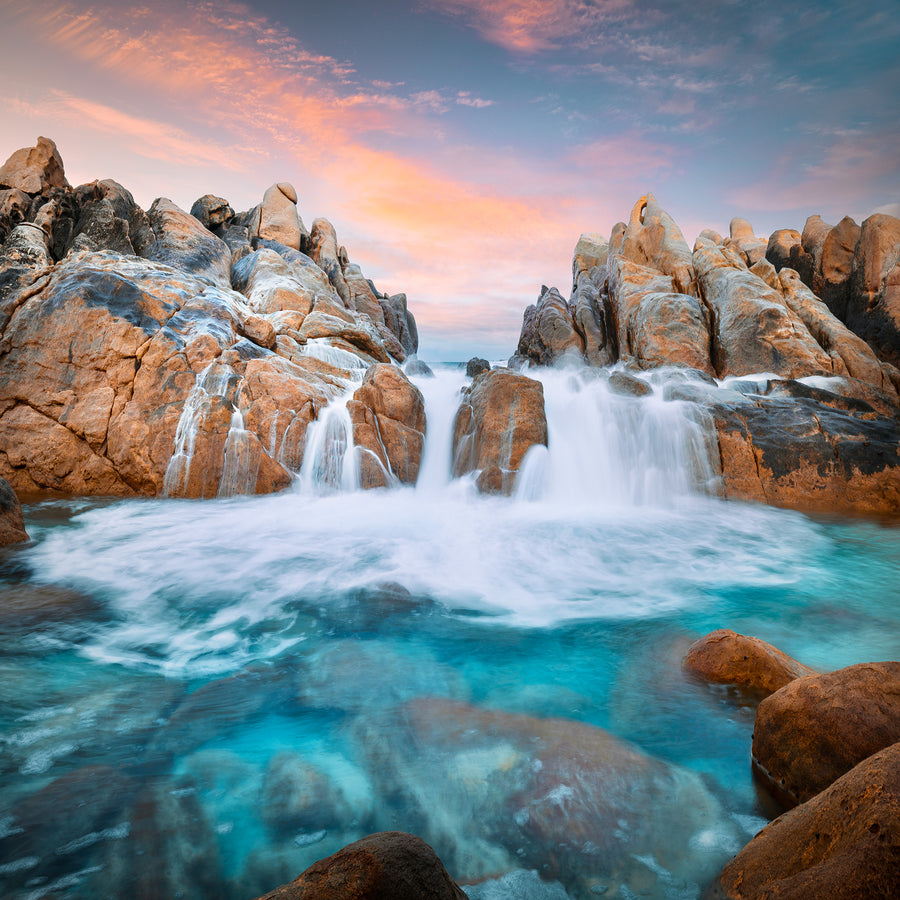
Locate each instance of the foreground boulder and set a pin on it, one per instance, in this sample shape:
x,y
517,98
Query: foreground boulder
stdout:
x,y
726,657
390,865
500,418
843,844
816,728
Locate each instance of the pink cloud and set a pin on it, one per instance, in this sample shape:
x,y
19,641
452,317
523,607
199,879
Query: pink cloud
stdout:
x,y
530,26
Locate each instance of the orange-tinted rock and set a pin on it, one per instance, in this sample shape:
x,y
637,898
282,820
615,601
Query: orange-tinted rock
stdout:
x,y
754,330
850,354
781,242
831,278
34,169
592,250
14,205
390,865
593,317
388,415
325,252
653,239
873,303
819,727
361,294
276,218
843,844
500,417
726,657
12,525
742,239
656,325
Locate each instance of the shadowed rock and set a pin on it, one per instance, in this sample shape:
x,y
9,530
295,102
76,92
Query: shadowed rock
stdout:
x,y
390,865
12,525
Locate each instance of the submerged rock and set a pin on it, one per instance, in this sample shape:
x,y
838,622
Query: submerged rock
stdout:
x,y
844,843
567,799
390,864
816,728
726,657
500,418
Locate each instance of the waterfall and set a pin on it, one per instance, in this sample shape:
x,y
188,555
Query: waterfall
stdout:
x,y
213,381
329,461
613,450
238,471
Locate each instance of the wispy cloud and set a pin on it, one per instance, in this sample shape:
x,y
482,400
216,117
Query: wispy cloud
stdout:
x,y
531,26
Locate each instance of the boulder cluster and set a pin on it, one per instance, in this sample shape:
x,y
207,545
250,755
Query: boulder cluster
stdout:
x,y
827,746
160,351
744,319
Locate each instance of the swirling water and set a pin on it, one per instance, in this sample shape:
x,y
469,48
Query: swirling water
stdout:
x,y
214,694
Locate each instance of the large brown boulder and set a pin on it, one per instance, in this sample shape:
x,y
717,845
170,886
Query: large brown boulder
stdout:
x,y
831,277
501,416
726,657
34,169
388,415
873,303
754,330
849,353
816,728
184,244
12,525
277,219
390,865
843,844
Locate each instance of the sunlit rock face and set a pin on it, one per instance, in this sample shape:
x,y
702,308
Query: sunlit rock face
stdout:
x,y
817,306
842,843
142,353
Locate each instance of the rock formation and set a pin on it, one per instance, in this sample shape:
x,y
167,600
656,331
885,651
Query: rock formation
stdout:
x,y
12,525
817,306
164,352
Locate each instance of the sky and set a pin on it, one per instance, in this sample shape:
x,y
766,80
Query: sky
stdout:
x,y
460,147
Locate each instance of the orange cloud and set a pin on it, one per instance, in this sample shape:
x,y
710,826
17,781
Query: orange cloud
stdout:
x,y
530,26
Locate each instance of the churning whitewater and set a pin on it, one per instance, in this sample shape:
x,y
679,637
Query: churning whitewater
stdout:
x,y
397,650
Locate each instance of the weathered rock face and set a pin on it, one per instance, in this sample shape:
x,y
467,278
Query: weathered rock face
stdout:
x,y
780,249
12,525
559,796
656,325
500,418
754,331
742,239
390,864
817,728
726,657
873,303
834,266
175,373
842,844
808,449
653,239
548,331
34,169
388,415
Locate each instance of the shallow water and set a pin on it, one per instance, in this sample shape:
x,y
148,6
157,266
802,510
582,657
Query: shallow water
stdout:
x,y
247,684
